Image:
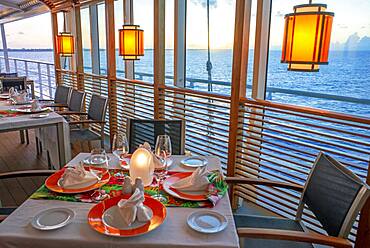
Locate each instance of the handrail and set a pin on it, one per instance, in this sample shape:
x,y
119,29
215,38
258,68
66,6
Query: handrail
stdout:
x,y
30,60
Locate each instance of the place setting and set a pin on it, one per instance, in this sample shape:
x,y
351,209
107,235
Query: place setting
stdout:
x,y
133,201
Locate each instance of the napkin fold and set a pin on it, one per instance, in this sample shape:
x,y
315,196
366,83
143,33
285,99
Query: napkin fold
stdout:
x,y
75,177
133,208
197,181
156,162
35,106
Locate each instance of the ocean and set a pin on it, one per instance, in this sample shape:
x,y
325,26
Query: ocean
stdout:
x,y
347,75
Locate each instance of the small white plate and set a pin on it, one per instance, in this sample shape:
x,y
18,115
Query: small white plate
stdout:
x,y
39,116
194,162
112,218
29,111
87,160
53,218
206,221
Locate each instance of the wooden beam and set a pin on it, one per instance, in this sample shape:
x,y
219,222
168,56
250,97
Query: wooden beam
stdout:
x,y
78,47
54,26
239,75
11,5
111,66
159,55
363,231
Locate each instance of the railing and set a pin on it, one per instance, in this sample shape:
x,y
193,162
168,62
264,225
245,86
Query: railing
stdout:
x,y
274,141
40,72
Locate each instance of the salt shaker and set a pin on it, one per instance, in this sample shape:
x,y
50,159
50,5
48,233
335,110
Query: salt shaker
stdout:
x,y
127,185
138,184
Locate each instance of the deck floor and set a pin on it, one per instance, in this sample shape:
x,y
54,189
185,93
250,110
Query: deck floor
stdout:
x,y
16,156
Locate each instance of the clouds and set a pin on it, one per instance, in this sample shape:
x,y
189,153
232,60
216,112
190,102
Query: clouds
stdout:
x,y
203,3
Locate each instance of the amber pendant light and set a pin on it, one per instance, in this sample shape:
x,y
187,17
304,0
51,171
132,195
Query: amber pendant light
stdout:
x,y
65,42
307,37
131,42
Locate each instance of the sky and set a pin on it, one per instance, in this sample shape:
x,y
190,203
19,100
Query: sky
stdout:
x,y
349,18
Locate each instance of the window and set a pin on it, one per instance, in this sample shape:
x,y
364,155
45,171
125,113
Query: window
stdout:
x,y
102,39
86,39
340,86
221,33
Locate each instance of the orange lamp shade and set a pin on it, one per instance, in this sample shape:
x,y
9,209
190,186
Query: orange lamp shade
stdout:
x,y
307,37
65,44
131,42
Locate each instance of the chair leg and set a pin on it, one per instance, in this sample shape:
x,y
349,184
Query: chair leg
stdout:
x,y
37,146
49,160
89,144
27,138
21,135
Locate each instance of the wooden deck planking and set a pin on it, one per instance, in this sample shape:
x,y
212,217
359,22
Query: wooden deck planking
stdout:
x,y
16,156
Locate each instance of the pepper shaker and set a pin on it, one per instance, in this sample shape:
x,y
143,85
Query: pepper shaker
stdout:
x,y
138,184
127,185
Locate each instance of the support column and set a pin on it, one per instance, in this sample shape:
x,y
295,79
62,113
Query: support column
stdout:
x,y
128,17
54,26
111,66
94,37
159,57
261,49
5,48
239,76
77,32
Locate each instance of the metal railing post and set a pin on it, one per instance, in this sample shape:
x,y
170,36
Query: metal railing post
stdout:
x,y
15,66
49,81
40,80
26,68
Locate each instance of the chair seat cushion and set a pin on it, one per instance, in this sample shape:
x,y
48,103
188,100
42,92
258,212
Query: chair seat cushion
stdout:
x,y
269,223
83,135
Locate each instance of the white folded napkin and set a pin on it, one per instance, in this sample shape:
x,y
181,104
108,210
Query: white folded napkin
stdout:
x,y
35,106
197,181
157,164
75,177
133,208
12,92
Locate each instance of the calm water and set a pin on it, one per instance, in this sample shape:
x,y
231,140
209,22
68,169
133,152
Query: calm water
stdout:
x,y
347,74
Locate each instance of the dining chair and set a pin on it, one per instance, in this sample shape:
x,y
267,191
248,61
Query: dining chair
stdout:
x,y
95,115
8,74
6,211
18,83
61,97
140,131
333,193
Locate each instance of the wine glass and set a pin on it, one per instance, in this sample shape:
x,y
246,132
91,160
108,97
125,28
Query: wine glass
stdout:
x,y
121,148
163,150
98,162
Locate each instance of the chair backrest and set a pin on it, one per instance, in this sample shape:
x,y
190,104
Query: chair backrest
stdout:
x,y
140,131
97,108
19,83
76,101
62,94
334,194
8,74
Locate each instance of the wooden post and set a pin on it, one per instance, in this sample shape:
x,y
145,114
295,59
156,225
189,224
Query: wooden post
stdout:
x,y
5,48
363,231
111,66
78,45
159,56
54,26
239,76
94,37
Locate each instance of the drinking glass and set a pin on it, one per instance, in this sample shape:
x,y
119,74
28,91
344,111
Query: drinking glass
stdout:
x,y
98,162
163,150
121,148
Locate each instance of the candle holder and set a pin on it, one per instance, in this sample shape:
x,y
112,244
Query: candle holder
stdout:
x,y
141,165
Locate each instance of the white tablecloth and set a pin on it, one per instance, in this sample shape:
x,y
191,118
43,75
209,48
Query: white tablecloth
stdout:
x,y
54,127
16,230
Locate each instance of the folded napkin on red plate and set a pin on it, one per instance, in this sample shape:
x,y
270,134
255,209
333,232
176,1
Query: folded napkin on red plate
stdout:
x,y
197,181
133,208
76,177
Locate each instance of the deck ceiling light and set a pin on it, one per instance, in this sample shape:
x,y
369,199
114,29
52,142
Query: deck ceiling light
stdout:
x,y
307,37
131,42
65,44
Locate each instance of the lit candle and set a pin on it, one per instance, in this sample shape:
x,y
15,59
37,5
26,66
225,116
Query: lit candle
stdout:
x,y
141,166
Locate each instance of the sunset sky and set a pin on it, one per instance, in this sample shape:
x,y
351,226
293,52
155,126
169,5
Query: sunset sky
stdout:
x,y
349,18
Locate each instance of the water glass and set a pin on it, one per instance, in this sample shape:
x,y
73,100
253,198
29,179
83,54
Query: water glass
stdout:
x,y
98,162
163,150
121,148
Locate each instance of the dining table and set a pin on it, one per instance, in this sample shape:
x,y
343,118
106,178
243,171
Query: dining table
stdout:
x,y
56,138
16,230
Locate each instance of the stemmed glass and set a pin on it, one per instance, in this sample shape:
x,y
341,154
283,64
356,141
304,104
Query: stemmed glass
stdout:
x,y
163,150
121,148
98,162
